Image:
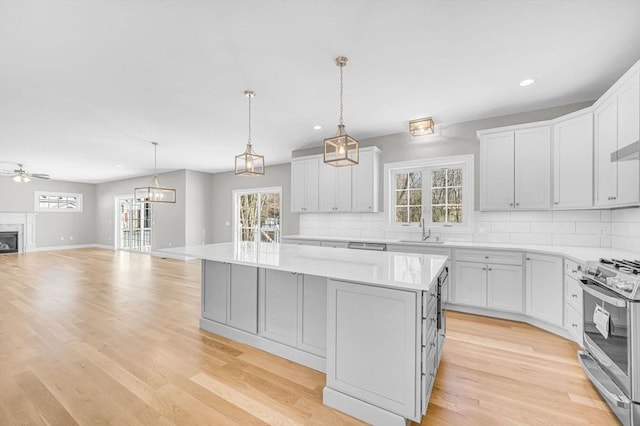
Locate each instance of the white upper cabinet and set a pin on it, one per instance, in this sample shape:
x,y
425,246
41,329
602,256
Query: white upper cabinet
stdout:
x,y
335,188
617,124
515,168
317,187
365,181
304,184
573,161
496,171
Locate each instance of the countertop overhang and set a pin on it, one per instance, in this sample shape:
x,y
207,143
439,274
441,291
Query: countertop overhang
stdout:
x,y
409,271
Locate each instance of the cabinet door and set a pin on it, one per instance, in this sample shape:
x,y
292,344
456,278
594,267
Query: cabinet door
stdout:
x,y
343,189
545,293
311,182
629,132
215,276
504,287
496,171
574,324
573,162
279,306
364,183
533,168
374,349
312,314
606,141
327,189
298,186
470,284
242,296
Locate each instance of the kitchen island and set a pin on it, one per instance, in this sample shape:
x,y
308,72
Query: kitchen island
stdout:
x,y
372,321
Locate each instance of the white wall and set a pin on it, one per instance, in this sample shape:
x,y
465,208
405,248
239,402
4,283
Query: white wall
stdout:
x,y
198,195
168,228
53,229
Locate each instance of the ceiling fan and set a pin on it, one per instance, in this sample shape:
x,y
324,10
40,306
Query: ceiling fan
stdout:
x,y
22,175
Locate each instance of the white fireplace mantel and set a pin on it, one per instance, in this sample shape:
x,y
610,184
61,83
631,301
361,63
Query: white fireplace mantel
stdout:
x,y
25,224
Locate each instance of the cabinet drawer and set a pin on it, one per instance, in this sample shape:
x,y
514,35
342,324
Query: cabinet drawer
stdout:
x,y
572,269
573,293
573,323
428,303
429,333
489,256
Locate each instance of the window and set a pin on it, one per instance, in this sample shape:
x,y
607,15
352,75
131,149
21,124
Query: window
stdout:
x,y
257,215
57,202
438,189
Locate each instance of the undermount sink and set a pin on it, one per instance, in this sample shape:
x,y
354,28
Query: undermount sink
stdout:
x,y
426,243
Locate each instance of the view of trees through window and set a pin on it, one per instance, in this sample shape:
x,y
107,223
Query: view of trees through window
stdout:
x,y
445,200
259,216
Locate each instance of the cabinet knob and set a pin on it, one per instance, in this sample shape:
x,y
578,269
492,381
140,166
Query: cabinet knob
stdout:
x,y
511,204
369,207
486,257
484,269
517,204
490,269
574,325
433,345
574,296
556,203
433,320
528,258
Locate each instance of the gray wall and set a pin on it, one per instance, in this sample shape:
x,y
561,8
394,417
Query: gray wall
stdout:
x,y
453,139
222,199
168,219
198,198
52,227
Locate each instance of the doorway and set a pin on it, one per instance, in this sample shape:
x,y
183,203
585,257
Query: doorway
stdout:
x,y
134,225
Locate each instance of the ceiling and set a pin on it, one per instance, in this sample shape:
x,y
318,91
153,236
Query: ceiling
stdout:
x,y
86,85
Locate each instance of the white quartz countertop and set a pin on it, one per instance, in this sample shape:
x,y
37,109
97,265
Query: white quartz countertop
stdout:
x,y
578,254
397,270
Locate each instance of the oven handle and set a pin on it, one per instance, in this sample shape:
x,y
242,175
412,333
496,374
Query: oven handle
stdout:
x,y
619,400
620,303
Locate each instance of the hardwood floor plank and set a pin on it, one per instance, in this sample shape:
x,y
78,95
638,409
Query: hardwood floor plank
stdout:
x,y
101,337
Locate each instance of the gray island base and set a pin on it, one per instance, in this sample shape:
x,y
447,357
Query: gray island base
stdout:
x,y
372,321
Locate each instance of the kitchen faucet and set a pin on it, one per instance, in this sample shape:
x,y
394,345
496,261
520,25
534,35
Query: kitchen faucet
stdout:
x,y
426,236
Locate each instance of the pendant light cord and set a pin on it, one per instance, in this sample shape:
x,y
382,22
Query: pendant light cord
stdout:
x,y
155,158
341,88
249,96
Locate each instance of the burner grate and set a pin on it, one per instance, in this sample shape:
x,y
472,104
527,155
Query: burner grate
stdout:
x,y
623,265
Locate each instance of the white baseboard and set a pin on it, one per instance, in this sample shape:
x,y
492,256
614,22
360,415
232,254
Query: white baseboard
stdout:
x,y
104,246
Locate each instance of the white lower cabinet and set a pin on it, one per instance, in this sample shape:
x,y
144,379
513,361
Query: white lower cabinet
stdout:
x,y
545,288
293,310
573,319
504,287
230,294
376,355
480,282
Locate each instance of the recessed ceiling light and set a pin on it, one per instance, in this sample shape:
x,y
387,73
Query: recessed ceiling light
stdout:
x,y
119,166
527,82
317,127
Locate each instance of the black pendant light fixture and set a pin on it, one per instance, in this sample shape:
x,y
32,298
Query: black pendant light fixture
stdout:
x,y
341,149
249,163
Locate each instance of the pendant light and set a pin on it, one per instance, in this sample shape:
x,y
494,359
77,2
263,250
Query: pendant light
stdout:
x,y
154,193
249,163
342,149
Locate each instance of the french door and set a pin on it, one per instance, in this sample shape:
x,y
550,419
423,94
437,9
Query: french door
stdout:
x,y
134,225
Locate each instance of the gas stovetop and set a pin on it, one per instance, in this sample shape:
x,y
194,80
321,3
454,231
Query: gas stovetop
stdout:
x,y
619,275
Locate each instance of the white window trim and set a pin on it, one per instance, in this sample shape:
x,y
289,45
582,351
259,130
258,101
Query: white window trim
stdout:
x,y
467,163
236,214
36,202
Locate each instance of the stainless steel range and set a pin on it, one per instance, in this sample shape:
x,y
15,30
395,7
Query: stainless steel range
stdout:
x,y
611,315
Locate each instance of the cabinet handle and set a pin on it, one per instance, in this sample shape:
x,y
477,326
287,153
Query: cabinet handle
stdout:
x,y
573,271
528,258
484,269
517,204
433,320
556,203
490,269
511,204
433,345
369,207
574,325
486,257
574,296
615,198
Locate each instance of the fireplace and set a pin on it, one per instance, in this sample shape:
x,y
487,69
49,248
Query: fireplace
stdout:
x,y
8,242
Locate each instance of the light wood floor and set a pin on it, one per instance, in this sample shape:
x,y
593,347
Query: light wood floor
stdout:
x,y
94,337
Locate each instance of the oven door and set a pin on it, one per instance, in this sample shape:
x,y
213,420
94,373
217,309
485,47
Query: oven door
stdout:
x,y
608,344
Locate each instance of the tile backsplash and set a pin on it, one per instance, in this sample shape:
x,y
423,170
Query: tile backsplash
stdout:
x,y
618,229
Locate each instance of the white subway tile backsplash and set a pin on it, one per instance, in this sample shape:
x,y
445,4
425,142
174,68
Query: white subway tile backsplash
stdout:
x,y
605,228
531,216
497,237
510,226
595,228
576,240
554,227
626,229
626,215
626,243
577,215
539,239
